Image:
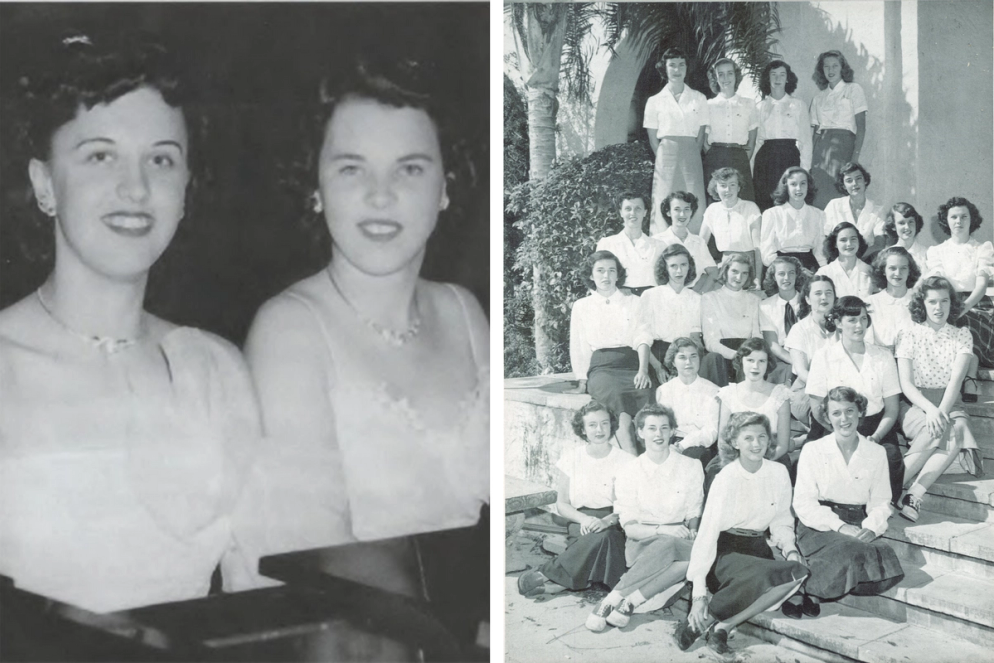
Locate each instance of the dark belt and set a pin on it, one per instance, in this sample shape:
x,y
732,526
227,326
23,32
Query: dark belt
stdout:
x,y
750,533
851,514
780,142
729,145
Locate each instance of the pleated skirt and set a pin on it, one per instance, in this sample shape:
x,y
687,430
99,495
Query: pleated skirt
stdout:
x,y
589,558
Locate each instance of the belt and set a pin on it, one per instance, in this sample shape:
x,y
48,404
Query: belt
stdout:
x,y
850,513
736,531
732,145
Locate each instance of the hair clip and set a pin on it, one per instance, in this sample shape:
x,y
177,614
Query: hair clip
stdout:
x,y
77,39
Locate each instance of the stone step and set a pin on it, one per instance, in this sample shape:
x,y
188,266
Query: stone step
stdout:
x,y
986,374
966,487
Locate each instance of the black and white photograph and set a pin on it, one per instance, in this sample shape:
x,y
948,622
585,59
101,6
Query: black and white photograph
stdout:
x,y
748,405
244,331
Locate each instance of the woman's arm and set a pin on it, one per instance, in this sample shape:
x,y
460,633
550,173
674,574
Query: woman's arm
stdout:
x,y
804,137
979,290
783,430
799,360
769,242
773,341
579,349
892,404
751,143
724,414
860,134
935,419
566,508
951,395
807,495
642,380
700,137
653,140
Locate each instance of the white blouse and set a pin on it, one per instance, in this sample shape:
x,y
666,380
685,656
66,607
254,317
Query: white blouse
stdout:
x,y
807,336
695,407
669,117
858,283
731,119
889,316
771,315
599,322
919,253
592,480
733,226
822,474
731,396
784,119
697,247
743,500
961,263
668,493
667,315
869,224
638,257
932,353
837,108
729,314
876,379
792,230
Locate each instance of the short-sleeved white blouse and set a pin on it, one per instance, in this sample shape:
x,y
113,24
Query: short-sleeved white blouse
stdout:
x,y
669,117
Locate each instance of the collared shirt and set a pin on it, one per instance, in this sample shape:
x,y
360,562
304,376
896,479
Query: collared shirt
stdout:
x,y
731,397
698,250
889,315
731,119
732,227
837,108
598,322
729,314
638,257
961,263
771,315
822,474
869,224
876,379
744,500
794,230
932,352
858,283
666,315
807,336
592,480
695,407
786,118
661,494
670,117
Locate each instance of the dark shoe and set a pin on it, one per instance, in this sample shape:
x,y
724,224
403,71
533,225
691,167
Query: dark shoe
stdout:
x,y
531,583
910,507
718,641
810,607
621,615
597,620
685,635
970,397
792,610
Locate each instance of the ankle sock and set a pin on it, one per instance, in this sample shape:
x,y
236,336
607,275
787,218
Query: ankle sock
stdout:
x,y
636,598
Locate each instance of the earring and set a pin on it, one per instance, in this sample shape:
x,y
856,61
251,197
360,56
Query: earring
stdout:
x,y
443,204
316,203
46,207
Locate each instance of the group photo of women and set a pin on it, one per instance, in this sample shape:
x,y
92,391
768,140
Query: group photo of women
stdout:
x,y
242,315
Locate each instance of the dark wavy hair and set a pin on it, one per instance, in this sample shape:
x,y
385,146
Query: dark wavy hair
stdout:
x,y
713,74
848,169
918,295
671,54
801,275
663,275
685,196
781,194
880,265
847,307
632,195
589,408
907,211
739,420
830,243
975,218
764,78
588,268
754,344
675,347
819,76
844,395
723,175
654,410
740,257
804,309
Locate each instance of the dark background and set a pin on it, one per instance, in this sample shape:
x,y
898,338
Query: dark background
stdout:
x,y
255,65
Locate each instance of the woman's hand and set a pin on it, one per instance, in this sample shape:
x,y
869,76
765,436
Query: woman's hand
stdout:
x,y
581,388
866,535
592,524
936,422
677,531
795,556
642,379
699,616
850,530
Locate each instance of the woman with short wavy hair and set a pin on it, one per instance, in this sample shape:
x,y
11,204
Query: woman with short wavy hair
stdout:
x,y
903,226
731,132
854,206
728,317
784,137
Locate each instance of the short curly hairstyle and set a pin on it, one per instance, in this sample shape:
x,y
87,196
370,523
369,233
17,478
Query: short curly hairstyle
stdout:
x,y
801,275
671,54
879,273
830,245
685,196
654,410
588,268
739,420
764,78
847,307
975,218
819,76
781,194
754,344
918,295
906,210
804,309
590,408
843,395
848,169
723,175
740,257
675,347
662,273
632,195
713,74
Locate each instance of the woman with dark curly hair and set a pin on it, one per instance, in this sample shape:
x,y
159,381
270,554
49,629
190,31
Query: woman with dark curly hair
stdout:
x,y
844,247
894,274
784,137
838,116
728,317
675,118
778,313
902,226
793,227
932,360
678,209
586,486
692,399
854,207
969,266
807,336
125,437
731,132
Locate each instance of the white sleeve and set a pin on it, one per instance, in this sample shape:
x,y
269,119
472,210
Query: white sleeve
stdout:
x,y
806,496
579,348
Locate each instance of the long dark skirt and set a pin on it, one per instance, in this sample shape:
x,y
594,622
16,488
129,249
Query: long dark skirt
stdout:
x,y
841,564
833,149
743,571
980,320
717,369
890,443
720,156
590,558
611,380
772,160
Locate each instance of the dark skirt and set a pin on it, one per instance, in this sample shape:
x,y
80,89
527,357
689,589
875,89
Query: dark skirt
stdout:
x,y
611,380
590,558
717,369
807,259
833,149
841,564
744,570
638,291
772,160
980,320
659,348
722,156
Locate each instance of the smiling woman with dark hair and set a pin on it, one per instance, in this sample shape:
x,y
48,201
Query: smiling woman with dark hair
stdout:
x,y
784,136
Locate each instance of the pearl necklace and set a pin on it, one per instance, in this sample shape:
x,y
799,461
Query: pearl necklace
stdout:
x,y
392,337
106,344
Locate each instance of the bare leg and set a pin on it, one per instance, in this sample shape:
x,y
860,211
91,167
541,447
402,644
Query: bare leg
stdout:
x,y
770,599
657,583
940,460
624,434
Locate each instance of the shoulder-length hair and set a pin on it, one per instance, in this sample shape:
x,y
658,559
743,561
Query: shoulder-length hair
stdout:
x,y
830,243
726,452
742,258
844,395
675,347
848,169
588,268
781,193
671,54
655,410
685,196
764,78
754,344
975,218
589,408
849,306
804,309
801,275
723,175
663,274
907,211
918,295
713,74
819,76
880,266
